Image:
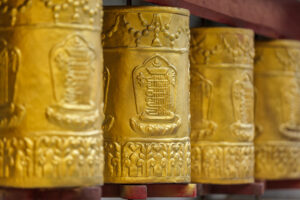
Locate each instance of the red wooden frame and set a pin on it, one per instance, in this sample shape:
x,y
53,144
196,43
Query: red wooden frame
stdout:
x,y
271,18
149,190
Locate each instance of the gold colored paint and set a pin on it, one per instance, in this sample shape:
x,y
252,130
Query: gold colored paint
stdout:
x,y
146,61
222,105
50,93
277,113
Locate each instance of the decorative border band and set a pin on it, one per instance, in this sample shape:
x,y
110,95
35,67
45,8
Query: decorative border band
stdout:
x,y
51,161
277,160
152,161
220,162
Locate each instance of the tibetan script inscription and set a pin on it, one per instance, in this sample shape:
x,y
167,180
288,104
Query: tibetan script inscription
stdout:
x,y
155,91
72,66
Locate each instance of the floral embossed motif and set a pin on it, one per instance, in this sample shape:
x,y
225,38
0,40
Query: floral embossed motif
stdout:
x,y
226,162
50,157
155,87
147,159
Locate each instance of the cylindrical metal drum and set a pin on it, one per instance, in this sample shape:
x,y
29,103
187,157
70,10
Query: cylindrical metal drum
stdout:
x,y
146,129
50,93
222,105
277,112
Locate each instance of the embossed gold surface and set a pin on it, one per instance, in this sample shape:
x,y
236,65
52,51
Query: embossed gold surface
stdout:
x,y
50,93
222,105
146,62
277,113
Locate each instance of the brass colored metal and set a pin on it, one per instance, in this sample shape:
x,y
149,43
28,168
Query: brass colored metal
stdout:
x,y
222,105
146,130
277,113
50,93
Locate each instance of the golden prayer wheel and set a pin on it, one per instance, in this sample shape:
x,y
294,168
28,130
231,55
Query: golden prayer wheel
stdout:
x,y
50,93
146,129
277,112
222,105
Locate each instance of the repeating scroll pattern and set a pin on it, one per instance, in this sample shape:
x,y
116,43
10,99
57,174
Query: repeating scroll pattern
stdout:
x,y
222,161
277,160
50,157
147,159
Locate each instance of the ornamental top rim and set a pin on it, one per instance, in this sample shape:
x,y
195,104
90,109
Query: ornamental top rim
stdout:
x,y
278,43
160,9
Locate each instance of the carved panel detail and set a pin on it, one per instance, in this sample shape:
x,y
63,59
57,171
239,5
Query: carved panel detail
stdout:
x,y
109,119
155,88
147,159
73,68
11,114
223,161
243,106
50,157
277,160
290,109
202,94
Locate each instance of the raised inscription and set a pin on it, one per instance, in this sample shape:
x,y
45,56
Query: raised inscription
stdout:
x,y
155,88
73,69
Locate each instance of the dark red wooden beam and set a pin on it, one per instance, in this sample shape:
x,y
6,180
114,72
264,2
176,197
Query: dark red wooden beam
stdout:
x,y
283,184
149,190
271,18
257,189
85,193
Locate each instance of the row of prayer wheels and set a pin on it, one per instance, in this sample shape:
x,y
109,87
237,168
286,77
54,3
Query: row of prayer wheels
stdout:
x,y
161,121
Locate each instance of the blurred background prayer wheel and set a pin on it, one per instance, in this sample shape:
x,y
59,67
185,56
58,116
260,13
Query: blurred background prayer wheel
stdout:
x,y
146,128
50,93
277,112
222,105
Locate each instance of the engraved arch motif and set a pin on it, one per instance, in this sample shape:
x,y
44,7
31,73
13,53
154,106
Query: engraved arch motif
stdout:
x,y
109,119
11,114
203,98
155,88
243,107
290,126
73,73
